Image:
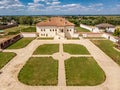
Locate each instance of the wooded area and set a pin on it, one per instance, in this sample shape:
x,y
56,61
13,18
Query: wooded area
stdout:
x,y
88,20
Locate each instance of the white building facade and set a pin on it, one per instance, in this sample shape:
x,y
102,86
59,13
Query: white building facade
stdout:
x,y
56,27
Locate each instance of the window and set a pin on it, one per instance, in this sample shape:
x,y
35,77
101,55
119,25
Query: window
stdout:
x,y
62,30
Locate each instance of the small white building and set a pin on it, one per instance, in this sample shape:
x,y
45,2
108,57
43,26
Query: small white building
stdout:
x,y
56,27
105,27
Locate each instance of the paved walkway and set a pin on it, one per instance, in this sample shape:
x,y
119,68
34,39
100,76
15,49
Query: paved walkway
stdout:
x,y
61,70
9,80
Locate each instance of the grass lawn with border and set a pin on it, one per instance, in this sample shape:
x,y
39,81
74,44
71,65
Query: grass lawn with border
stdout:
x,y
5,57
82,71
79,29
75,49
29,29
47,49
20,43
40,71
17,29
108,47
73,39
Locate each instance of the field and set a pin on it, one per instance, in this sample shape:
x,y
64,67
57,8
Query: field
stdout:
x,y
40,71
75,49
83,72
16,30
107,47
47,49
21,43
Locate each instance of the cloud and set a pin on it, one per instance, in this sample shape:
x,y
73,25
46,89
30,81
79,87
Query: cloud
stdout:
x,y
53,3
11,4
54,7
37,1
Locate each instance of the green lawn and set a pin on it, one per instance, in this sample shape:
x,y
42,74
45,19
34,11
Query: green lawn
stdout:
x,y
29,29
21,43
79,29
82,71
75,49
47,49
15,30
40,71
107,47
5,57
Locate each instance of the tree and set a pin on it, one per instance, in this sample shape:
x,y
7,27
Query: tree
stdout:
x,y
117,32
26,20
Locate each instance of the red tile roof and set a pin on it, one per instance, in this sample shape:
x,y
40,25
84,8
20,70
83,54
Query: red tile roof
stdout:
x,y
55,21
105,25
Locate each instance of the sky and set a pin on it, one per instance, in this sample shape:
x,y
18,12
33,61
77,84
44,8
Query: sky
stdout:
x,y
59,7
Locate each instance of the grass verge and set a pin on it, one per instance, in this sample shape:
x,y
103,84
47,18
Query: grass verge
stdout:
x,y
21,43
108,47
5,57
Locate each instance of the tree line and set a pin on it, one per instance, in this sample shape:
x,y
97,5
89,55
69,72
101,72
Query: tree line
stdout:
x,y
77,20
22,20
94,20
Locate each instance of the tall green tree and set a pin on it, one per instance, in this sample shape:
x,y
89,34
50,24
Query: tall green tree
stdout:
x,y
117,32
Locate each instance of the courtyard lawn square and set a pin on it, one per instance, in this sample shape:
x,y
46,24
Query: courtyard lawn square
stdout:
x,y
82,71
40,71
47,49
5,57
21,43
75,49
108,47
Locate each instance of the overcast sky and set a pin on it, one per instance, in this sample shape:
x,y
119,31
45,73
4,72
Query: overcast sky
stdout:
x,y
59,7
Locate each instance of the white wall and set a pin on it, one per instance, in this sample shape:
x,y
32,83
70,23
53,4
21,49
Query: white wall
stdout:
x,y
71,30
110,30
29,34
97,30
110,37
68,30
86,27
47,32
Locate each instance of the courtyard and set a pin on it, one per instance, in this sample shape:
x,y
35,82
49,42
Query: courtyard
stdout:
x,y
53,65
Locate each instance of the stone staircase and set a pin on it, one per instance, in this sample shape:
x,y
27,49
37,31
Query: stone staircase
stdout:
x,y
59,36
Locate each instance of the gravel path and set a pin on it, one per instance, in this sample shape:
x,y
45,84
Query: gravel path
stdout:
x,y
9,80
